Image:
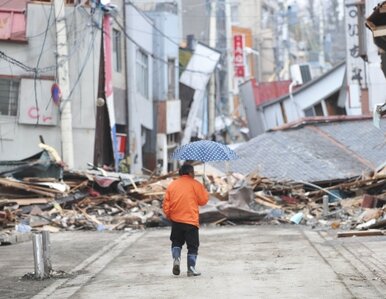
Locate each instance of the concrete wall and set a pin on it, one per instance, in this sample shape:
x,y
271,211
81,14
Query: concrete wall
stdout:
x,y
119,78
19,139
165,48
140,108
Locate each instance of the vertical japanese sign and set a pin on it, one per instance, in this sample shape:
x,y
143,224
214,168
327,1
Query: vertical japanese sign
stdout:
x,y
109,85
238,50
355,64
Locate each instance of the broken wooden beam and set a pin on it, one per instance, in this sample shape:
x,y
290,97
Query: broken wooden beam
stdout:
x,y
360,233
25,187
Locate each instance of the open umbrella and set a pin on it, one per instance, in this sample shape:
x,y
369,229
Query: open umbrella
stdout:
x,y
205,151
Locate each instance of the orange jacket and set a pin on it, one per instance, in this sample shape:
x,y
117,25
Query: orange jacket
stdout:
x,y
182,198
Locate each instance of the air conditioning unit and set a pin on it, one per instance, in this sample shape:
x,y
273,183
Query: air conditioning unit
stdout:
x,y
300,73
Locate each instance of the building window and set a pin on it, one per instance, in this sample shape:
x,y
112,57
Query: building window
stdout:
x,y
171,78
142,73
9,91
172,139
309,112
117,50
316,110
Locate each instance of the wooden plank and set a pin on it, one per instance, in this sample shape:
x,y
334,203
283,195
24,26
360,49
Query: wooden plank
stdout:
x,y
153,193
371,25
267,204
24,187
219,221
81,185
379,31
26,201
39,180
382,8
265,198
360,233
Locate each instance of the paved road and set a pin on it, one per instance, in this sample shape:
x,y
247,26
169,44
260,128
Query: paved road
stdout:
x,y
236,262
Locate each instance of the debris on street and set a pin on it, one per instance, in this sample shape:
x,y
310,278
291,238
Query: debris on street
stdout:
x,y
100,200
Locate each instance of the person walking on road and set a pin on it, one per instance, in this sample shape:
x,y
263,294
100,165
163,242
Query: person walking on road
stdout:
x,y
181,206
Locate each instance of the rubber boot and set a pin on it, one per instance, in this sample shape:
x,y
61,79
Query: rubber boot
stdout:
x,y
192,258
176,253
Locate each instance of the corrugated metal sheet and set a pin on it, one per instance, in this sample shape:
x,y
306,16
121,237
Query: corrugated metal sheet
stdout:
x,y
266,91
317,152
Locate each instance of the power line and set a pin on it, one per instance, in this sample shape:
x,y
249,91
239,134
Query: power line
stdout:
x,y
151,54
77,43
141,12
16,62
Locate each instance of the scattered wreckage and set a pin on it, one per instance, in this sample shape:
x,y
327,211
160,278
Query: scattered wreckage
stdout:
x,y
39,194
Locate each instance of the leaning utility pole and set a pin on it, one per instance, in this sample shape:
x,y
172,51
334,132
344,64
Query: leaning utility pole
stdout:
x,y
211,97
64,84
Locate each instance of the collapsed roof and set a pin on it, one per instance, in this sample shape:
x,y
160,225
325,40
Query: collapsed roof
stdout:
x,y
315,150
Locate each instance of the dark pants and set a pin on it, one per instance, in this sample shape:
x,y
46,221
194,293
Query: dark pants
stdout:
x,y
181,233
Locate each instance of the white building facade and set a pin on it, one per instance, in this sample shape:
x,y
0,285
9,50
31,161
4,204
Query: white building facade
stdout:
x,y
28,108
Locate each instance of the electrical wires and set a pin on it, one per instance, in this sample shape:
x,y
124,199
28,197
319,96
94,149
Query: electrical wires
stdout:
x,y
17,63
151,54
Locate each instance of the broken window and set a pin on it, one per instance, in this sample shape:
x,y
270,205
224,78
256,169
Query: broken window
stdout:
x,y
9,91
316,110
309,112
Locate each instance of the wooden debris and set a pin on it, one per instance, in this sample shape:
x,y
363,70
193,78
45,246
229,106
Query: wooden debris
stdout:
x,y
266,203
26,187
360,233
137,203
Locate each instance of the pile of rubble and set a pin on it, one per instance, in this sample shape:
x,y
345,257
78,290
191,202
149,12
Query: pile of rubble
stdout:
x,y
41,196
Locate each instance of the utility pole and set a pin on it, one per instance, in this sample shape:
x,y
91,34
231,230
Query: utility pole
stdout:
x,y
230,71
64,83
212,43
286,40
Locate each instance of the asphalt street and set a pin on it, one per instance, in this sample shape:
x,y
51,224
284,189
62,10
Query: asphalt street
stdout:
x,y
236,262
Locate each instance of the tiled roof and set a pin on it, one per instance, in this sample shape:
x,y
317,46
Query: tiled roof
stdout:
x,y
316,152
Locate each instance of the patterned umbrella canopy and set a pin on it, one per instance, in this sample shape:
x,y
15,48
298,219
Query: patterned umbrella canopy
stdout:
x,y
205,151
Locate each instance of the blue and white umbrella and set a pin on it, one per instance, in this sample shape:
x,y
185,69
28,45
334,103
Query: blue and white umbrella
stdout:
x,y
205,151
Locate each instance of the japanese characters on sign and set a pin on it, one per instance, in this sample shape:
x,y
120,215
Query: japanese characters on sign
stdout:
x,y
238,50
355,64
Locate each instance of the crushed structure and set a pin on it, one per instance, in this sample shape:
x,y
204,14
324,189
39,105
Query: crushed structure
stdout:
x,y
101,200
